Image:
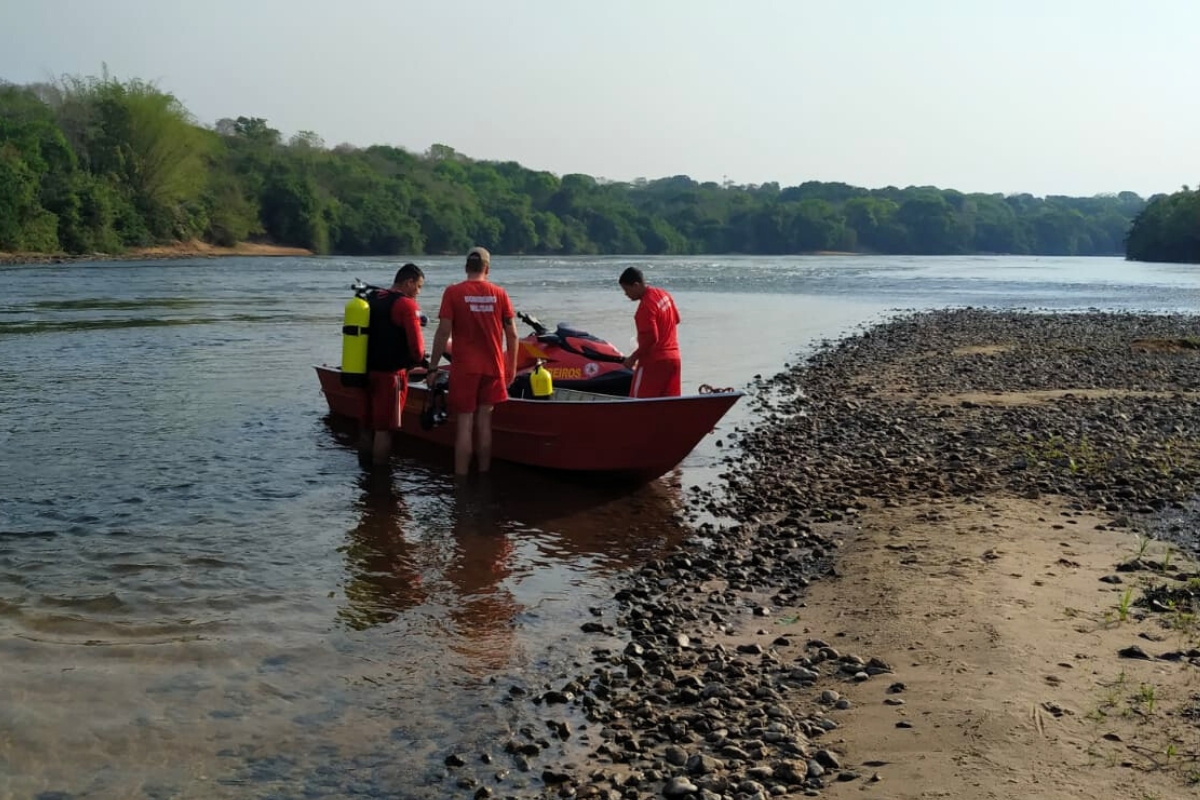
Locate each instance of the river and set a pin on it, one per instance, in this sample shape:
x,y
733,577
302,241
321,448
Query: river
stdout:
x,y
202,593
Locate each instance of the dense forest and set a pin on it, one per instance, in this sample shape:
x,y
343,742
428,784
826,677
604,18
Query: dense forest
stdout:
x,y
1168,229
100,165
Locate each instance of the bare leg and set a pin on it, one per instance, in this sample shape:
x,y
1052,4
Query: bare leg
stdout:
x,y
382,447
483,422
464,425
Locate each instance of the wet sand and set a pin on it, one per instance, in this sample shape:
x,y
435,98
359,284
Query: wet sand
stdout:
x,y
930,576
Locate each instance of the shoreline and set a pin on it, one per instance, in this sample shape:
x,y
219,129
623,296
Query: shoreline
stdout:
x,y
165,252
197,249
936,575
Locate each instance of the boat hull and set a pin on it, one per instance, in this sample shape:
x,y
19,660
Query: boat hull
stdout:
x,y
574,432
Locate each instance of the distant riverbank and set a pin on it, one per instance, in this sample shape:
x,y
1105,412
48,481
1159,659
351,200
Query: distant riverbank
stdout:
x,y
192,249
199,249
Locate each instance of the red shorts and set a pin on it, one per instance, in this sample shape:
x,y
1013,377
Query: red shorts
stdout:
x,y
657,379
386,392
468,391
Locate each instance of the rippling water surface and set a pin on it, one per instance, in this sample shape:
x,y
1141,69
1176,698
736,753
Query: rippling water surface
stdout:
x,y
202,594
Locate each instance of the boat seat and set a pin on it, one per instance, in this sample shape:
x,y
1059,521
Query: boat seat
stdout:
x,y
566,330
577,396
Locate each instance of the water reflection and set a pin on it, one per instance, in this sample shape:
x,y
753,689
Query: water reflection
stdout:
x,y
607,526
383,577
481,561
464,567
449,561
568,515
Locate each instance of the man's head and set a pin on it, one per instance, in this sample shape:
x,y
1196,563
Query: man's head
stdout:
x,y
633,283
478,261
409,280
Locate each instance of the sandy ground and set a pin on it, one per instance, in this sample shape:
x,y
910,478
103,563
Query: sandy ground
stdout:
x,y
197,248
995,619
192,249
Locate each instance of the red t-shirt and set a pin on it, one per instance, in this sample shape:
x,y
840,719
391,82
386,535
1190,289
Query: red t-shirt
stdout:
x,y
477,311
406,315
656,319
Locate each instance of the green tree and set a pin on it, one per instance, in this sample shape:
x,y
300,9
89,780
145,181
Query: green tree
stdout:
x,y
101,164
929,221
1168,229
292,209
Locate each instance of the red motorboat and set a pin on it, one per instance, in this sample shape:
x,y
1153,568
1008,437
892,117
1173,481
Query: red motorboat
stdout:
x,y
573,431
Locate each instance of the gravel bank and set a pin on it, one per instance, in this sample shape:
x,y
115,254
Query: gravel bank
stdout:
x,y
691,691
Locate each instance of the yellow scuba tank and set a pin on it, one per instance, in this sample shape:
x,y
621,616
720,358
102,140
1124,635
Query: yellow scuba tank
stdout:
x,y
540,382
355,322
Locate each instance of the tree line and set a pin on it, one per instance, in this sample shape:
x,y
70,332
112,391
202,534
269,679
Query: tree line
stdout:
x,y
98,164
1167,229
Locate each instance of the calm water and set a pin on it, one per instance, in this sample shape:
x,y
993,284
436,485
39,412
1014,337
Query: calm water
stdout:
x,y
202,594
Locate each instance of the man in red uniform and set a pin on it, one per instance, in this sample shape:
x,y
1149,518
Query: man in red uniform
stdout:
x,y
657,369
475,313
394,346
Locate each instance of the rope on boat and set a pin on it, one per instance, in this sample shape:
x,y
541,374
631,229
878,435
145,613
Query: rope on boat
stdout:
x,y
707,389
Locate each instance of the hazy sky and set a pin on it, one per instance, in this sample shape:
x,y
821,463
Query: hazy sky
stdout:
x,y
1044,96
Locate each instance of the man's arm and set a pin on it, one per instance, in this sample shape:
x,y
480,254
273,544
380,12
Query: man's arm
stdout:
x,y
647,337
440,337
510,343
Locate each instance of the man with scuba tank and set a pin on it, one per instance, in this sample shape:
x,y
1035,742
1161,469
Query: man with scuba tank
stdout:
x,y
394,346
477,314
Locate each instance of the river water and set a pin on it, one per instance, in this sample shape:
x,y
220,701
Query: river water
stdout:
x,y
202,593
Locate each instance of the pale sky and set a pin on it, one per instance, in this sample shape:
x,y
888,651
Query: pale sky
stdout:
x,y
1043,96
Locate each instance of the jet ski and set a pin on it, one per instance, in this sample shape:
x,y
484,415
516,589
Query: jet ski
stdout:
x,y
575,359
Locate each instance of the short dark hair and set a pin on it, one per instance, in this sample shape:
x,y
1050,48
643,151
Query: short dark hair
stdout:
x,y
630,276
409,272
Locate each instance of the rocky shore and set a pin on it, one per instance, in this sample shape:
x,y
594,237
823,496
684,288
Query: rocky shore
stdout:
x,y
937,522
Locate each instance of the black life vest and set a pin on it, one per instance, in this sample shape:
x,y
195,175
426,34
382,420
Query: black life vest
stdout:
x,y
387,343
